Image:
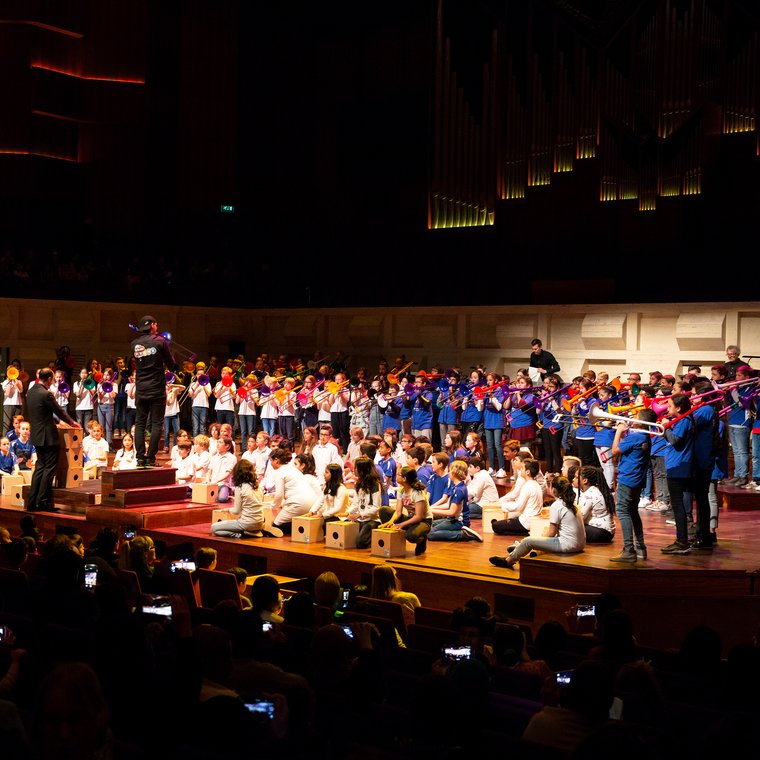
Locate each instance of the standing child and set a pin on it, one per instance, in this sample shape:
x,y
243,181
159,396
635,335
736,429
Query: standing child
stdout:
x,y
171,415
286,410
267,401
199,391
246,401
106,393
84,392
493,422
224,392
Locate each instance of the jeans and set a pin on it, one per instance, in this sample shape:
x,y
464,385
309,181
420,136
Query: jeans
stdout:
x,y
120,413
287,427
648,490
660,479
627,508
199,420
446,530
225,417
544,544
604,453
476,511
714,506
171,425
247,427
83,417
677,487
739,437
105,418
375,420
756,457
234,528
493,445
268,425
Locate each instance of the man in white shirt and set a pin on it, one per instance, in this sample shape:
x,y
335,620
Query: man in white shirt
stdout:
x,y
293,496
325,453
480,489
220,469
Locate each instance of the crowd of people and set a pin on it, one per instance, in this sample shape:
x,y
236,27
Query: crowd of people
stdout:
x,y
424,451
87,673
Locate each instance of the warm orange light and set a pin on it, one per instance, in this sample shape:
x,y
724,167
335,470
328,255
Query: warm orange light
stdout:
x,y
48,27
66,73
35,153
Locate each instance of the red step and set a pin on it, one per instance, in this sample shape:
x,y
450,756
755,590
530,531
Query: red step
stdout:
x,y
137,497
153,476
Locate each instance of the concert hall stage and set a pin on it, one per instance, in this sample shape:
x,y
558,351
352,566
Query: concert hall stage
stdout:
x,y
666,595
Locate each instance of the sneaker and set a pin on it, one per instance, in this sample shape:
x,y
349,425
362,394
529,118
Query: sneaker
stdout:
x,y
501,474
676,548
272,531
657,506
700,545
729,481
668,512
500,562
490,470
641,552
644,502
142,464
253,534
740,483
751,485
471,534
670,522
420,548
626,555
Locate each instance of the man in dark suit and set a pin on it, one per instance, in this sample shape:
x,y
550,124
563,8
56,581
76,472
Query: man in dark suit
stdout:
x,y
41,410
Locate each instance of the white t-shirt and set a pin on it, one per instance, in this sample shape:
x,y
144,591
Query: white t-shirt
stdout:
x,y
594,509
200,393
97,451
224,397
12,395
292,493
571,531
83,403
481,489
529,504
125,460
324,455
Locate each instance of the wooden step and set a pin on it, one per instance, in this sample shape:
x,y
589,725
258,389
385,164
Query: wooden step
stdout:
x,y
154,476
143,518
136,497
731,498
74,500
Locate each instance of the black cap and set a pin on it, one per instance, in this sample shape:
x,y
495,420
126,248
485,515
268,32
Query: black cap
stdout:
x,y
145,323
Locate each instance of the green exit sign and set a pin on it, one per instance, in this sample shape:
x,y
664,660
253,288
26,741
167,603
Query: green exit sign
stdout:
x,y
226,208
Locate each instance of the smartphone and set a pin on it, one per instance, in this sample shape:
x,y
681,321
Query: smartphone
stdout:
x,y
349,632
158,605
344,598
457,653
90,576
586,610
3,632
182,564
266,627
128,532
564,676
262,707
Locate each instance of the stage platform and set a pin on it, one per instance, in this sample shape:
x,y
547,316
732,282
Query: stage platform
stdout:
x,y
665,595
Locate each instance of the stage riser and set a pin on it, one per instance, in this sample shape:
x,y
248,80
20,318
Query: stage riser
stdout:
x,y
151,518
155,476
738,499
136,497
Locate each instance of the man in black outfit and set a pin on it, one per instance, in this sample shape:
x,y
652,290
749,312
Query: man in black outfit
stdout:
x,y
41,407
542,360
152,356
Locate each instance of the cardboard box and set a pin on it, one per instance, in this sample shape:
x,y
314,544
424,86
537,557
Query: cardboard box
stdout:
x,y
340,534
388,543
204,493
307,529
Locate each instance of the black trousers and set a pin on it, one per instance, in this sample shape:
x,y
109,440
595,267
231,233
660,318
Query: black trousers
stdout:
x,y
41,490
155,408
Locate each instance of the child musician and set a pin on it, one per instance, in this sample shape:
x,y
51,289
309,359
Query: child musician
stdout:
x,y
199,391
224,392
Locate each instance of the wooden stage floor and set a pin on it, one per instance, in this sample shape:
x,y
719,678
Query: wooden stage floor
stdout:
x,y
666,595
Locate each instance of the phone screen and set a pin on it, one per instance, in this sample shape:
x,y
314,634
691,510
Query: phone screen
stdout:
x,y
158,605
349,632
266,627
564,676
457,653
261,707
90,576
586,610
183,564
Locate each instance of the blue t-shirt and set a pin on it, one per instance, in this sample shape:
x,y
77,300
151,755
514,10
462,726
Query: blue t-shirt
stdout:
x,y
22,451
739,416
634,462
679,464
603,435
459,496
438,486
424,474
704,419
388,469
8,462
659,444
493,418
448,414
584,431
392,415
422,411
526,415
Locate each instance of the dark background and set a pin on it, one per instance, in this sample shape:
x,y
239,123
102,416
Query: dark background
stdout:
x,y
315,121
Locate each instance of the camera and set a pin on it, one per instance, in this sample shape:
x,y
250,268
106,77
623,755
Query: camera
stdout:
x,y
457,653
90,576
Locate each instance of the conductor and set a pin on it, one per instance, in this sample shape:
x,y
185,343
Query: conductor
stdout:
x,y
152,355
42,409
